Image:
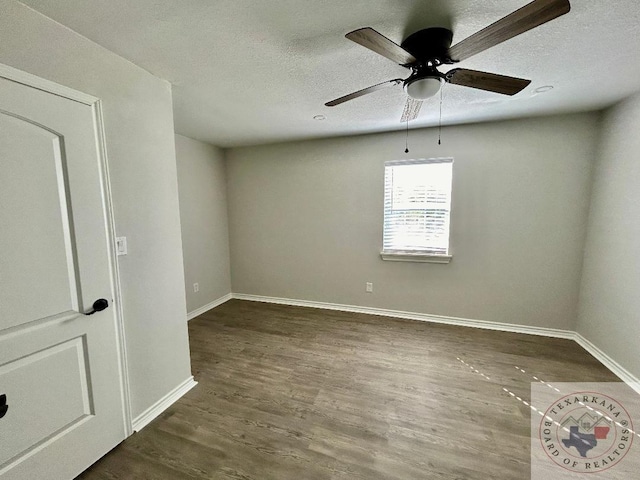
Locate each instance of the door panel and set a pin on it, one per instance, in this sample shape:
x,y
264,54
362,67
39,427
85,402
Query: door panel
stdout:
x,y
39,262
59,369
53,387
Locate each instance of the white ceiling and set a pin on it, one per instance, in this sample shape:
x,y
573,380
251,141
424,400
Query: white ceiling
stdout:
x,y
257,71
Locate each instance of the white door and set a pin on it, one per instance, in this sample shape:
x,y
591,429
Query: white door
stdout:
x,y
59,370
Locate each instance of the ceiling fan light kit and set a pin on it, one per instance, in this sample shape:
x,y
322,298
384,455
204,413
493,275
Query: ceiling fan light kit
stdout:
x,y
423,88
425,50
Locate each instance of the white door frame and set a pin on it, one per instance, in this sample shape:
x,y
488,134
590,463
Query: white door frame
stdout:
x,y
95,103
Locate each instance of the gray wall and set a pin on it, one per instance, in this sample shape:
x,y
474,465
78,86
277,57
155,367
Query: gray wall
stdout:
x,y
203,216
306,221
609,298
140,143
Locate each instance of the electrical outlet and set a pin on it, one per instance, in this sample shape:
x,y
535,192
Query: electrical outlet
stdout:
x,y
121,246
196,287
369,287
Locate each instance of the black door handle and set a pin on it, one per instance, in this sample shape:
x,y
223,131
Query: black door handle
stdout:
x,y
98,306
3,405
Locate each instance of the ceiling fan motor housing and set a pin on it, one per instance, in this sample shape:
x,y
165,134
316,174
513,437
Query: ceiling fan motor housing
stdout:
x,y
430,45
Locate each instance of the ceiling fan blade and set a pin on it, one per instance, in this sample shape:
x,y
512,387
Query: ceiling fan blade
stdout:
x,y
364,91
411,109
369,38
530,16
486,81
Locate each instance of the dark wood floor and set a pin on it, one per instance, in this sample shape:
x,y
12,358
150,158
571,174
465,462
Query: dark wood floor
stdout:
x,y
299,393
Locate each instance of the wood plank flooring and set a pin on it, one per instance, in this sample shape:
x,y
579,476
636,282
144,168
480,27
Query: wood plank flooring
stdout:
x,y
306,394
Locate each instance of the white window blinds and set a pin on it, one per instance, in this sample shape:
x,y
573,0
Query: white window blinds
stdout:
x,y
417,203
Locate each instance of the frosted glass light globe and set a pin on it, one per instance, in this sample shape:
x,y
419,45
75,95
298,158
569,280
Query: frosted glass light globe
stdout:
x,y
423,88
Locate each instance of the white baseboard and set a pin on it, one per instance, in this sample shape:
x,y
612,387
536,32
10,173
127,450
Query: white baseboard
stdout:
x,y
161,405
463,322
209,306
600,355
624,374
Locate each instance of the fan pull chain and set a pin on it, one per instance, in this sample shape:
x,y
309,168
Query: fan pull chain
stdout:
x,y
406,141
440,121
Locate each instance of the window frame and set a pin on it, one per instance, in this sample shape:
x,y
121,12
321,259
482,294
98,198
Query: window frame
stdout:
x,y
420,256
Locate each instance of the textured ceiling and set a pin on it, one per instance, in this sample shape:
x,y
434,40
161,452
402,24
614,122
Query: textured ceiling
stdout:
x,y
258,71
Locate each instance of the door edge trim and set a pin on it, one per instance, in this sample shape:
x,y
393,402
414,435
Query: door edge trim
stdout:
x,y
30,80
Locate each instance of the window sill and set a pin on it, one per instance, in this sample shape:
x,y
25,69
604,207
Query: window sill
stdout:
x,y
415,257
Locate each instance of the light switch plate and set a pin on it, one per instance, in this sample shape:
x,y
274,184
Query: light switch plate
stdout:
x,y
121,246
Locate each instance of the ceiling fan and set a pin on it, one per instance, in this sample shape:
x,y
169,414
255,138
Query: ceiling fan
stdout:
x,y
425,50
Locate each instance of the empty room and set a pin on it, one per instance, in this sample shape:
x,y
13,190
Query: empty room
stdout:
x,y
278,240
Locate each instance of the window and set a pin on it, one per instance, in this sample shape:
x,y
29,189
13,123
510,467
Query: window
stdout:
x,y
417,203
